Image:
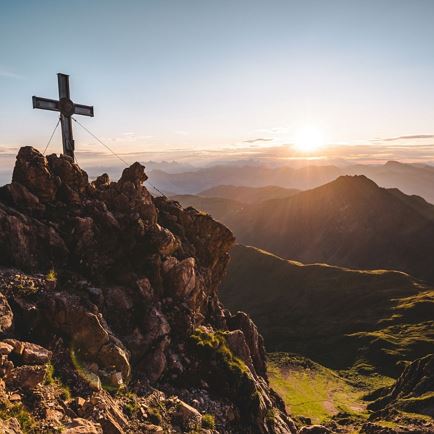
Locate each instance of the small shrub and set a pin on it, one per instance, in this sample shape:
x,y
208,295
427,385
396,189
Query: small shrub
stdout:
x,y
132,406
51,378
18,411
155,416
208,421
51,276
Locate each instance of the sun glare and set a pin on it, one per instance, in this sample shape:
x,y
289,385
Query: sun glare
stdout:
x,y
308,139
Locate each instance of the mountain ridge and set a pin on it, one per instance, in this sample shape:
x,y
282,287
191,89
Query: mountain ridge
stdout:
x,y
407,177
343,223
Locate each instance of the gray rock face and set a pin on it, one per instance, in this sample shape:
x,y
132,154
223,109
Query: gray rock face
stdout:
x,y
412,391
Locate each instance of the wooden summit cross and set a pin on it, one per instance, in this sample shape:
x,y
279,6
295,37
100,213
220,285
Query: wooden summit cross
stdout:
x,y
67,108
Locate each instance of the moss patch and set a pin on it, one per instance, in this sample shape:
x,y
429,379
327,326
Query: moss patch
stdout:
x,y
51,377
18,411
208,421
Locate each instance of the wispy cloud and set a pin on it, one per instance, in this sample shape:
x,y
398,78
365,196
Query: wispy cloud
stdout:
x,y
411,137
5,73
259,139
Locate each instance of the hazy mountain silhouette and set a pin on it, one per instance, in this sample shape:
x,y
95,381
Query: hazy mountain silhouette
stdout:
x,y
409,178
249,175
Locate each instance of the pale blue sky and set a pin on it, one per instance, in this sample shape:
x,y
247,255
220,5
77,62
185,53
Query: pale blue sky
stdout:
x,y
210,74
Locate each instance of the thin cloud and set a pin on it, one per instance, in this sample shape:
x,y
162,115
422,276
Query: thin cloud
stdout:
x,y
259,139
9,74
412,137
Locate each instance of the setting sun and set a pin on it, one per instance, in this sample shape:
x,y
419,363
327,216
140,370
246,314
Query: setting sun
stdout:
x,y
308,139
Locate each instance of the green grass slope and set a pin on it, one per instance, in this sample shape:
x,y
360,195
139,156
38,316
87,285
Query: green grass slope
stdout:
x,y
339,400
337,316
314,391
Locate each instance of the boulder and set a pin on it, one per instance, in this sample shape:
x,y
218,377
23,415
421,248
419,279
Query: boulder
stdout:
x,y
26,377
181,278
68,172
32,171
237,344
164,242
255,342
6,315
5,348
88,333
135,174
156,331
154,363
21,197
28,243
155,327
118,299
10,426
186,416
102,181
101,407
82,426
29,353
145,289
314,429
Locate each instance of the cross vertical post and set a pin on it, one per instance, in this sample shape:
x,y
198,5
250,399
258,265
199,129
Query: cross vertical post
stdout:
x,y
67,108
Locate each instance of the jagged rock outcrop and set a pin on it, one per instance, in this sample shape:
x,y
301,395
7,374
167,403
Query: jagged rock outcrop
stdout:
x,y
109,310
413,391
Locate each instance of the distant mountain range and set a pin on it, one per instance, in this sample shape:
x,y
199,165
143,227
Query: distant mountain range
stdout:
x,y
348,222
336,316
409,178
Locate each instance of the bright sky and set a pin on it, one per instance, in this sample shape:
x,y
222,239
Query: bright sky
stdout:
x,y
220,74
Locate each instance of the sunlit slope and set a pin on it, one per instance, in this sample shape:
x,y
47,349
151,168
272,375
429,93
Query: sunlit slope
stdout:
x,y
225,200
336,316
249,194
348,222
220,208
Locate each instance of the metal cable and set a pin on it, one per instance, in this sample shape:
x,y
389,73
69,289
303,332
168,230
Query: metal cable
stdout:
x,y
51,137
114,153
102,143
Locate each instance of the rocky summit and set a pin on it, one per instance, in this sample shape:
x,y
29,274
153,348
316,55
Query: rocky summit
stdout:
x,y
110,316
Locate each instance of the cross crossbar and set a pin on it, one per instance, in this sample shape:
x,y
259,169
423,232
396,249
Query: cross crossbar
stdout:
x,y
67,108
